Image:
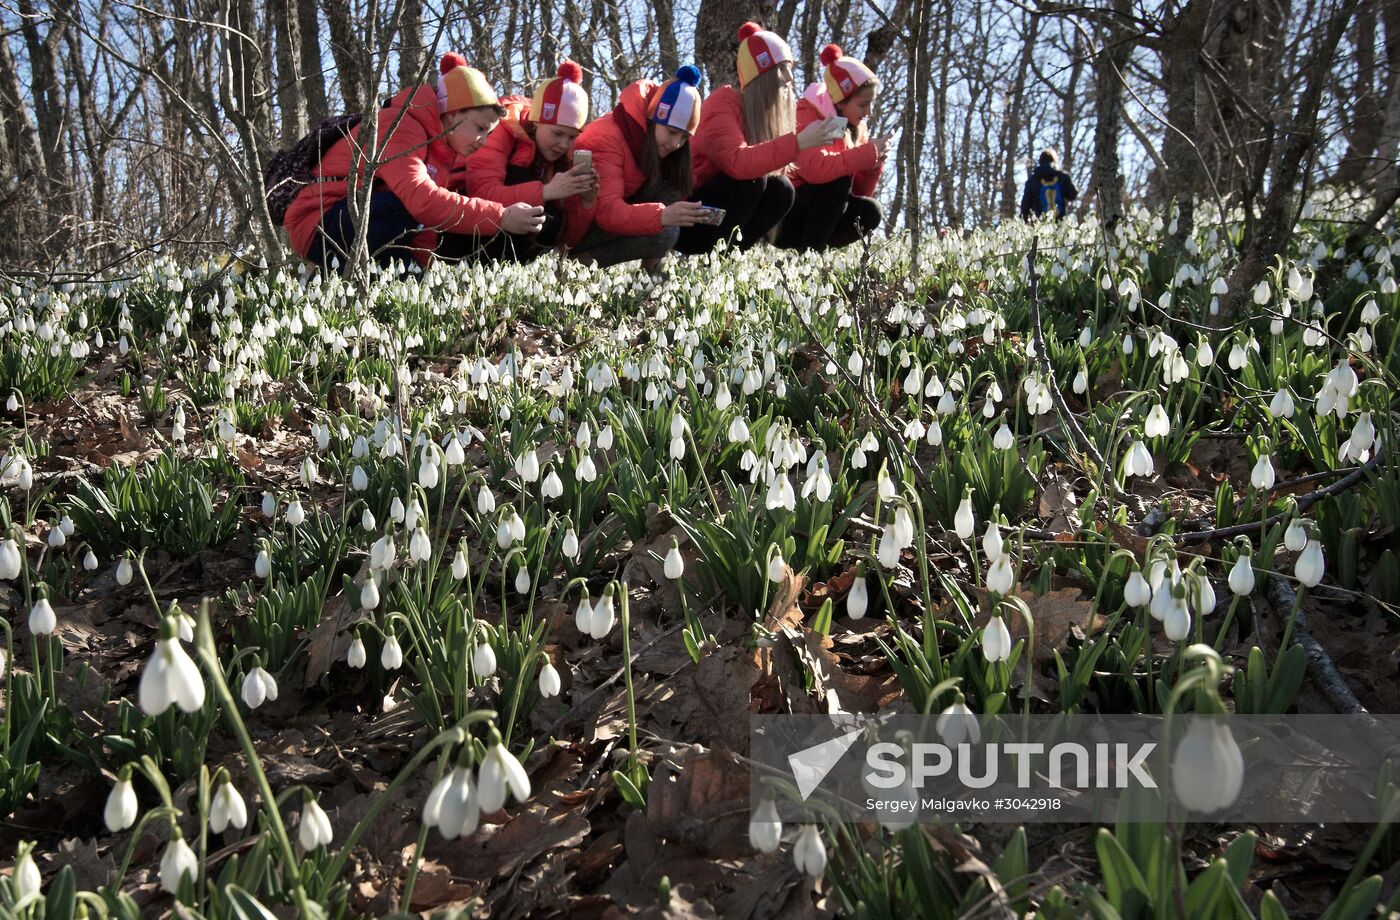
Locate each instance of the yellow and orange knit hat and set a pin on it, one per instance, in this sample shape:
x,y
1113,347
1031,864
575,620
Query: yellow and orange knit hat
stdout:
x,y
844,75
759,51
462,87
561,101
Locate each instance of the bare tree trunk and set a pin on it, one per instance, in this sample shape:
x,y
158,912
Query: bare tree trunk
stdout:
x,y
348,53
1181,68
50,104
881,39
1069,102
715,26
411,53
286,28
1011,134
666,35
807,39
1106,174
313,77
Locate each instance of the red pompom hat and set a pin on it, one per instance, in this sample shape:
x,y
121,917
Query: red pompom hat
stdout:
x,y
562,100
759,52
844,75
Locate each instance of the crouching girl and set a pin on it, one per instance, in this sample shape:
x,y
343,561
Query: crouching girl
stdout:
x,y
424,131
746,141
641,151
833,205
529,159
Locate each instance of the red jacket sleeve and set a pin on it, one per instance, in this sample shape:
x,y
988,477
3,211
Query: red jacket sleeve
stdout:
x,y
486,172
819,165
404,171
720,139
864,182
612,212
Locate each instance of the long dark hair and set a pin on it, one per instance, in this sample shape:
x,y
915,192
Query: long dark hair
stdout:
x,y
674,172
543,168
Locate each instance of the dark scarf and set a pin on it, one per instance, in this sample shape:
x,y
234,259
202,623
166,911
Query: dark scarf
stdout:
x,y
634,134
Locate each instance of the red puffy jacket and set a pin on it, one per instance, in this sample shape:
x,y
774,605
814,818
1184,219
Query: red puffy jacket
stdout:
x,y
417,165
820,165
619,173
509,145
720,147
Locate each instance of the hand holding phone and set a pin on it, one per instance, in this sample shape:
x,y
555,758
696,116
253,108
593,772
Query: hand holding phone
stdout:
x,y
583,160
837,125
714,216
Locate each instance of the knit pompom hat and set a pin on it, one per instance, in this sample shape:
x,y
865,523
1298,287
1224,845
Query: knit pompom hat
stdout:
x,y
676,103
462,87
561,101
759,52
844,75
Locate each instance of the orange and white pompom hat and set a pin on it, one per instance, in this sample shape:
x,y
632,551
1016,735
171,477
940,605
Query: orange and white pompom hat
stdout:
x,y
759,52
561,101
462,87
844,75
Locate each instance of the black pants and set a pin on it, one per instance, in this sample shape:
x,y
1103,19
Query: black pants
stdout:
x,y
506,247
601,248
828,216
391,231
752,206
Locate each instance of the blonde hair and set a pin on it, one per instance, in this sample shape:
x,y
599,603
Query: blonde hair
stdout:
x,y
769,106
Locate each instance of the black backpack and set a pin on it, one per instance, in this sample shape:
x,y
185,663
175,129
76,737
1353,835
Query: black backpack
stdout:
x,y
292,169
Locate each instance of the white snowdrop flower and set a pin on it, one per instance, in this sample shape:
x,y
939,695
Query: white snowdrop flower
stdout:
x,y
308,471
958,725
357,656
452,806
122,808
1004,439
1370,313
1242,576
1207,766
996,640
1262,476
1128,344
369,593
583,616
391,654
501,772
258,687
933,436
585,471
227,809
570,545
1281,406
765,827
858,600
855,364
11,562
527,465
1202,594
1138,461
992,542
90,562
485,500
884,486
66,526
674,565
428,474
550,681
605,438
552,487
124,571
1001,576
459,565
420,546
367,522
315,828
454,455
1237,357
397,512
738,431
177,863
809,853
1309,567
483,660
56,537
1176,620
1157,424
777,567
295,515
269,504
962,518
42,620
170,677
522,580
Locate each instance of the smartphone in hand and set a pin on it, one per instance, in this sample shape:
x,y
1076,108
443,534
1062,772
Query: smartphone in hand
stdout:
x,y
714,216
836,125
583,158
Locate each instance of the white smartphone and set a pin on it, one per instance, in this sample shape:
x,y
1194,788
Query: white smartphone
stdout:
x,y
583,158
836,125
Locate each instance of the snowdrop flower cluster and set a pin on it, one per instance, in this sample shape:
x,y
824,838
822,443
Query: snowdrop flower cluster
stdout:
x,y
458,800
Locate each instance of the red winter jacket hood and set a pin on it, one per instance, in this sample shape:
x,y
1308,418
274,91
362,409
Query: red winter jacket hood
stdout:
x,y
619,173
841,157
417,165
511,145
720,147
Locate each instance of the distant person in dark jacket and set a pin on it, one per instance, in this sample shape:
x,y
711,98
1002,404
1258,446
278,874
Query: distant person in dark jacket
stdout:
x,y
1048,189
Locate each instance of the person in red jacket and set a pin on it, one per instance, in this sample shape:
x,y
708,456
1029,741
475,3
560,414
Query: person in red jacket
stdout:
x,y
424,132
833,206
529,158
641,151
745,144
